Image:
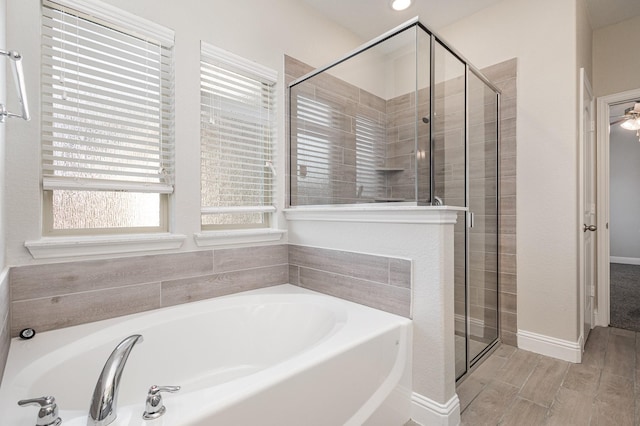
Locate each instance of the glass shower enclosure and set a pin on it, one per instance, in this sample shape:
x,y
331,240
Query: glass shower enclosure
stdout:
x,y
407,120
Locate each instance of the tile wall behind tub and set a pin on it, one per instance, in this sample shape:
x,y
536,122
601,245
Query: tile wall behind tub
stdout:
x,y
46,297
376,281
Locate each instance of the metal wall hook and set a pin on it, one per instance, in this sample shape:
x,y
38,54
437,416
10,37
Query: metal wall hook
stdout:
x,y
18,76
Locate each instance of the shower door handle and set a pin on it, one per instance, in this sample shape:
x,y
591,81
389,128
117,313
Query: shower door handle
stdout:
x,y
589,228
470,219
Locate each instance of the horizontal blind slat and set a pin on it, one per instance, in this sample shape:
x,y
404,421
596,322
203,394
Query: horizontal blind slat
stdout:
x,y
107,105
78,184
236,136
93,90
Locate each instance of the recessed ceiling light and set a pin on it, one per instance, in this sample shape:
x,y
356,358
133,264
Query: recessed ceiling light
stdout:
x,y
400,4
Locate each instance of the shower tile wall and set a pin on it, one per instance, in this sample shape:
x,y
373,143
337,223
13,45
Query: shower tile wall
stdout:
x,y
504,76
449,175
338,117
401,156
357,116
449,141
46,297
483,242
482,266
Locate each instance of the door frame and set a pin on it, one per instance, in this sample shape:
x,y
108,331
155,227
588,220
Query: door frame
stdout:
x,y
583,134
603,244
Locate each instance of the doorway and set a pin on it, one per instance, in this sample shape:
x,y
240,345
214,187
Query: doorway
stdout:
x,y
607,108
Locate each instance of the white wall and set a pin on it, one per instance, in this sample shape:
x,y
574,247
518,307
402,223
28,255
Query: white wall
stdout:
x,y
616,63
4,281
255,29
388,69
585,40
624,190
542,35
3,142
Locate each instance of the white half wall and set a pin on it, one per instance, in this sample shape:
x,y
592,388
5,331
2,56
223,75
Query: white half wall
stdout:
x,y
425,236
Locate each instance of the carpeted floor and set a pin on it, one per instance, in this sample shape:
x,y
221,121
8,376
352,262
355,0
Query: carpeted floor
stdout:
x,y
625,296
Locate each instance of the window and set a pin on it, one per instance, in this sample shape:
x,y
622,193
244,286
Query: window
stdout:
x,y
236,134
312,160
107,120
370,183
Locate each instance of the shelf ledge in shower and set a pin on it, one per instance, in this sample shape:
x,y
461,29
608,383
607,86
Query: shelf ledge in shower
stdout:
x,y
389,169
389,200
376,213
59,247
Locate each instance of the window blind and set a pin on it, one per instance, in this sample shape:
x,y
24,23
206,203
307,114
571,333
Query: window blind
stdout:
x,y
107,101
237,131
369,156
313,150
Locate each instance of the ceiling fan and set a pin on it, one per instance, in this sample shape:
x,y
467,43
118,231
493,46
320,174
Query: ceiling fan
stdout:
x,y
631,118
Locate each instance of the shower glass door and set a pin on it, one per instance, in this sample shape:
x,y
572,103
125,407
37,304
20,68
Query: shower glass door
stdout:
x,y
482,267
449,174
466,174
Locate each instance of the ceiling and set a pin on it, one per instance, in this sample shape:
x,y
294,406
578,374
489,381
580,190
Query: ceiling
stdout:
x,y
608,12
371,18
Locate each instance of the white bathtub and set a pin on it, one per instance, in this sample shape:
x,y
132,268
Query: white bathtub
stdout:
x,y
276,356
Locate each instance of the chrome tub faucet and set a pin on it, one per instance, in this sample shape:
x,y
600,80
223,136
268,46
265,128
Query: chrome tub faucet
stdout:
x,y
104,403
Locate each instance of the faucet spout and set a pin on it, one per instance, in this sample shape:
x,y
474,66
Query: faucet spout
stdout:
x,y
104,402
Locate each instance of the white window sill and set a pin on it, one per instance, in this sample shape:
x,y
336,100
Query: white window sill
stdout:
x,y
244,236
59,247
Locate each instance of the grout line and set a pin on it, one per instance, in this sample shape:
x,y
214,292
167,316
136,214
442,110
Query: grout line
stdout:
x,y
97,290
364,280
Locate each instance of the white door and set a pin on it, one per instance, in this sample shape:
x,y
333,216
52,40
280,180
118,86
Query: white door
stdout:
x,y
587,197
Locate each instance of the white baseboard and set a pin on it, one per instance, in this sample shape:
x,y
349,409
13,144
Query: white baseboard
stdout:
x,y
625,260
550,346
428,412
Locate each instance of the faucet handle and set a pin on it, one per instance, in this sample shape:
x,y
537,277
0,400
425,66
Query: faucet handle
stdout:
x,y
154,407
48,414
156,389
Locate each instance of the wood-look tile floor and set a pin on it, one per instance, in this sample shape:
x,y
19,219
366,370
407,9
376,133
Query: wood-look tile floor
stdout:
x,y
516,387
